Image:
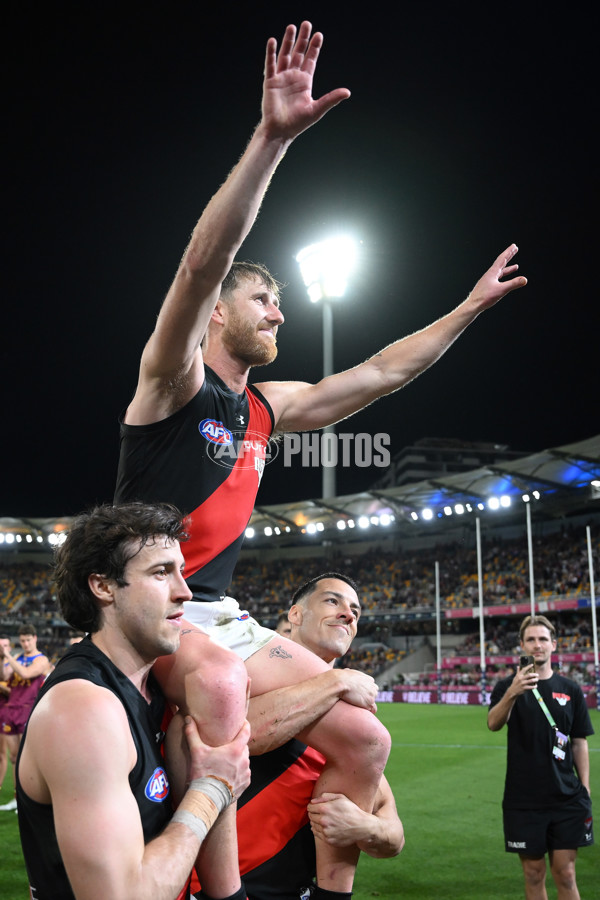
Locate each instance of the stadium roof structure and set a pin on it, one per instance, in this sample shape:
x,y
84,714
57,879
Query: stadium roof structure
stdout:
x,y
557,483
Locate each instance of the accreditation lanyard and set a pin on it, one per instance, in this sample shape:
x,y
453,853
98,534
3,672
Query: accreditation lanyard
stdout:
x,y
560,739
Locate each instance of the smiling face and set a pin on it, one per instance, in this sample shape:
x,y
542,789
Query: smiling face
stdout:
x,y
251,319
326,620
146,611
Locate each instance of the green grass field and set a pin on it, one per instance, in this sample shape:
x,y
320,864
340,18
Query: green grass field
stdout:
x,y
447,773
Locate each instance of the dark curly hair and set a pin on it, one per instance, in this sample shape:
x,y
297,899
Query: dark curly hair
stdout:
x,y
103,541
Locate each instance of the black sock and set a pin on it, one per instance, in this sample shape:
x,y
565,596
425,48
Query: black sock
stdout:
x,y
321,894
239,895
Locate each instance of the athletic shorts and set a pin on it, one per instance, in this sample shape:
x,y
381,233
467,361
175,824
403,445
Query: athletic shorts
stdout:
x,y
228,625
533,832
14,718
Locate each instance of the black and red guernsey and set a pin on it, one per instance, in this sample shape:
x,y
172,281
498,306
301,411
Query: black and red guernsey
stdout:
x,y
207,459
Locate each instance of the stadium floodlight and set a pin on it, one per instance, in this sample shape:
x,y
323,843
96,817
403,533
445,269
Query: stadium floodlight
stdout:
x,y
363,522
526,498
427,514
448,510
493,503
268,531
341,524
459,509
250,532
325,268
385,519
505,501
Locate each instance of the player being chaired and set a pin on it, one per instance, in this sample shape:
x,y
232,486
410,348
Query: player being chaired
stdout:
x,y
219,319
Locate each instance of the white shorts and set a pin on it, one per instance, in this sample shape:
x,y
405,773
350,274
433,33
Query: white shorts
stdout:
x,y
228,625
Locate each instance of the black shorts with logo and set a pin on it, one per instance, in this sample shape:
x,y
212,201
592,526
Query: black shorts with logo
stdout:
x,y
533,832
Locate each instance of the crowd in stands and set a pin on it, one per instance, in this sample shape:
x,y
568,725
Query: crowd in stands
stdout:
x,y
397,591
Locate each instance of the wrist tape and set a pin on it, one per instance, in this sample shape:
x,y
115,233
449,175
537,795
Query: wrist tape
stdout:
x,y
199,813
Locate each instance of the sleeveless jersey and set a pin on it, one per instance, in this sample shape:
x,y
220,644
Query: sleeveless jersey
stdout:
x,y
207,459
148,780
277,859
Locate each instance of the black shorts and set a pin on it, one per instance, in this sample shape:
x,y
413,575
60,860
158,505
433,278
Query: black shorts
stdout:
x,y
533,832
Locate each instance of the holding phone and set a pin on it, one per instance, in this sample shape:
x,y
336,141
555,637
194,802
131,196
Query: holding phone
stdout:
x,y
526,661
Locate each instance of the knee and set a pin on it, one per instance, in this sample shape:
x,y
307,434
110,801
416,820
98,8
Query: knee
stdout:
x,y
564,875
534,871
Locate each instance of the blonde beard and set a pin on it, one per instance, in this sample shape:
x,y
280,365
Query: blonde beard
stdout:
x,y
241,340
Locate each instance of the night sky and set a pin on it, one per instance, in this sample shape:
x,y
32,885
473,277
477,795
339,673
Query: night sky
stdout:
x,y
469,127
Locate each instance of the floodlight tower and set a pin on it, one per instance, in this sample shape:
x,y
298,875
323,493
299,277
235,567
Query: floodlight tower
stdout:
x,y
325,269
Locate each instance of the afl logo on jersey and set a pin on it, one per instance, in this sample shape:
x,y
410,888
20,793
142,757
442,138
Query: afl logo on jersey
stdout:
x,y
215,432
157,788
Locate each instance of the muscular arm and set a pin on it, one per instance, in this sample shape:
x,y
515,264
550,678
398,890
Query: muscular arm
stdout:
x,y
301,406
277,716
581,758
171,369
340,822
68,761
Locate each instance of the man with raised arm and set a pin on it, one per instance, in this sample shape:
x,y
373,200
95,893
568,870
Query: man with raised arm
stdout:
x,y
275,814
93,796
218,320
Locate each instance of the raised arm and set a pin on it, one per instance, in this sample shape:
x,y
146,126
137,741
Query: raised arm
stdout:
x,y
39,666
340,822
171,369
279,715
525,680
68,761
301,407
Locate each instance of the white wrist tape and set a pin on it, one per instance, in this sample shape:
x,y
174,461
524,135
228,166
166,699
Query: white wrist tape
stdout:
x,y
215,796
192,822
218,790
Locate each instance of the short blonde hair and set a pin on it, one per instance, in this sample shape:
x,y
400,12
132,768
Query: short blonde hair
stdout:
x,y
529,621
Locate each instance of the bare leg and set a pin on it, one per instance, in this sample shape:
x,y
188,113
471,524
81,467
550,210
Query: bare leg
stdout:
x,y
562,866
3,758
534,870
354,742
209,683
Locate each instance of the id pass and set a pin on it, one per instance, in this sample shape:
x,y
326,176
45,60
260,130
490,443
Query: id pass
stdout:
x,y
560,742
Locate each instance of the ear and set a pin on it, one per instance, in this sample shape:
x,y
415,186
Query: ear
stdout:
x,y
295,614
218,314
101,587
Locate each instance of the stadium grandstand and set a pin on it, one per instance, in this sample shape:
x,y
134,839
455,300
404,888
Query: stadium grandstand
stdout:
x,y
413,549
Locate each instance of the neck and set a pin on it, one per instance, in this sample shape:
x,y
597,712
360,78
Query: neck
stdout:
x,y
544,671
125,658
233,371
319,651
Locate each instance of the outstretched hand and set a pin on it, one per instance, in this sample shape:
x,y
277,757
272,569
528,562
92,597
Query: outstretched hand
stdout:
x,y
288,107
490,288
